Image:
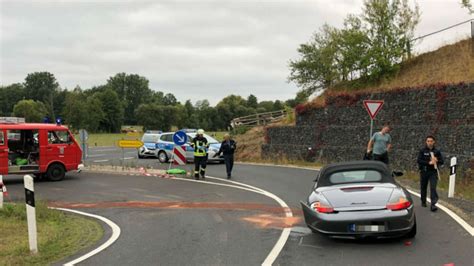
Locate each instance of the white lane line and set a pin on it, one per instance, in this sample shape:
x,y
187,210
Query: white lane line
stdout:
x,y
115,235
128,158
271,257
95,155
100,161
458,219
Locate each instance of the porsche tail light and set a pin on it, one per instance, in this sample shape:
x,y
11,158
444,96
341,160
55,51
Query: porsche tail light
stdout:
x,y
400,203
322,207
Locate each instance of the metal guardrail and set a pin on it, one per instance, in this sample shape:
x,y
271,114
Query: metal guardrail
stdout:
x,y
260,118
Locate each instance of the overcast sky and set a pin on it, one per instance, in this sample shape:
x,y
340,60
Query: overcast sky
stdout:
x,y
193,49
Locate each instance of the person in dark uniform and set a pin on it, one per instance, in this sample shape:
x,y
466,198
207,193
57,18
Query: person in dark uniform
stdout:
x,y
200,146
429,158
228,147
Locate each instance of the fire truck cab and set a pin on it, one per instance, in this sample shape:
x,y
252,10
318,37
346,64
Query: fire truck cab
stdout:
x,y
47,150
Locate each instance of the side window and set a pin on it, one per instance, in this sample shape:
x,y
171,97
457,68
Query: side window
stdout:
x,y
2,138
167,137
59,137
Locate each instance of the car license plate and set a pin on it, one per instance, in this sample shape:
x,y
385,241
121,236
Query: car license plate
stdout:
x,y
366,228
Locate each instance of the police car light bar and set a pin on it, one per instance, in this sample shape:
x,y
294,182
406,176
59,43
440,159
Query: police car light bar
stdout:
x,y
12,120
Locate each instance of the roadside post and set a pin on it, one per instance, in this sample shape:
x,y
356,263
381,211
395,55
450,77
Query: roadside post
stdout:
x,y
373,107
84,136
128,144
452,177
179,150
1,192
31,212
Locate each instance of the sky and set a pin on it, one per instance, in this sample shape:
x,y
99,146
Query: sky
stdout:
x,y
193,49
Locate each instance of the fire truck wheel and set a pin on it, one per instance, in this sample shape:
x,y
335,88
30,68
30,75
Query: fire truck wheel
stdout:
x,y
56,172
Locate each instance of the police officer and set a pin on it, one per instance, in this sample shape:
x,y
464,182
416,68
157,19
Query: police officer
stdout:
x,y
200,145
429,158
228,147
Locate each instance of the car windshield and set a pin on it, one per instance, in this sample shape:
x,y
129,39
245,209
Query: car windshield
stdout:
x,y
150,138
359,176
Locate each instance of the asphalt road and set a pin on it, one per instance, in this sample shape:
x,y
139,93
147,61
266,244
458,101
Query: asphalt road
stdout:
x,y
178,222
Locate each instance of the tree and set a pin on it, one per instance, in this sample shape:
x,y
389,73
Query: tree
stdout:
x,y
252,101
132,90
9,96
32,111
42,86
467,4
169,99
390,27
157,116
113,110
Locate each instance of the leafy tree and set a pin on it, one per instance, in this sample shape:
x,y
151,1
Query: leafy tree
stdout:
x,y
32,111
113,110
169,99
133,90
267,106
252,101
42,86
278,105
157,116
467,4
9,96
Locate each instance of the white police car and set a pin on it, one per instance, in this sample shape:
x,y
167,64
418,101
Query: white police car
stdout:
x,y
150,140
165,144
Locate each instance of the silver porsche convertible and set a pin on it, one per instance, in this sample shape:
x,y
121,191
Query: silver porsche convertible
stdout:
x,y
359,199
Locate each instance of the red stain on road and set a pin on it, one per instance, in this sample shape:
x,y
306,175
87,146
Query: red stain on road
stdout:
x,y
267,220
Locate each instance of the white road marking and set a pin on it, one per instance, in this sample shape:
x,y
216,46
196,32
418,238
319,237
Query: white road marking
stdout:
x,y
101,150
458,219
100,161
128,158
271,257
115,235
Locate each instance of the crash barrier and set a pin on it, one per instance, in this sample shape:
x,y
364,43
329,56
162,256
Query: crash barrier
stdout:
x,y
452,177
260,118
31,212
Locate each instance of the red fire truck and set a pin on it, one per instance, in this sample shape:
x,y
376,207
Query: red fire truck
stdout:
x,y
47,150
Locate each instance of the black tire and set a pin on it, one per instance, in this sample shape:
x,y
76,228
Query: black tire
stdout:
x,y
56,172
412,232
140,156
221,162
162,157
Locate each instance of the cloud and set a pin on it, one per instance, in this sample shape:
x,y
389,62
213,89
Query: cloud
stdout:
x,y
194,49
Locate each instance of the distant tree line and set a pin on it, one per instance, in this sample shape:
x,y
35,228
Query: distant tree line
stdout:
x,y
125,99
368,48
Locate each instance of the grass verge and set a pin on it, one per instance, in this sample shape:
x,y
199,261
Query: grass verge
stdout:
x,y
59,235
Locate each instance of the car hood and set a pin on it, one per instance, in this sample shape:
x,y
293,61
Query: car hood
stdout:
x,y
352,197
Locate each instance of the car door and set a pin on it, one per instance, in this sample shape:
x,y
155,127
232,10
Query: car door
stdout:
x,y
3,152
60,148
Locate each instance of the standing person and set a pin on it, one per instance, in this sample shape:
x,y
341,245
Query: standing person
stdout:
x,y
429,158
228,147
200,146
380,144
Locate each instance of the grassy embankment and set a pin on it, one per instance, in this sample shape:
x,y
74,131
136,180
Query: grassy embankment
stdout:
x,y
59,235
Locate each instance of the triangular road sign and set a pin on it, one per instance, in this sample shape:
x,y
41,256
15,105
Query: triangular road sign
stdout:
x,y
373,107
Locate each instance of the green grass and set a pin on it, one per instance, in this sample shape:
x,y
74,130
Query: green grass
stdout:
x,y
464,187
59,235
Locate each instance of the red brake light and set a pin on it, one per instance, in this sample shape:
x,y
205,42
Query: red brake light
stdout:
x,y
317,206
402,204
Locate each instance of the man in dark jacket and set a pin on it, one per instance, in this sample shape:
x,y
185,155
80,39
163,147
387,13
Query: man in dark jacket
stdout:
x,y
200,146
228,147
429,158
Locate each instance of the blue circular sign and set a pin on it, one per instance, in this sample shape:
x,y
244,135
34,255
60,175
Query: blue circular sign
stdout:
x,y
180,138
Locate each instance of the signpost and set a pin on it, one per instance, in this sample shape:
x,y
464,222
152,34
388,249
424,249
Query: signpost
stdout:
x,y
373,107
179,151
83,136
127,144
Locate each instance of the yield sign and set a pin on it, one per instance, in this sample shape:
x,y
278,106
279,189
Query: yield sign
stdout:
x,y
373,107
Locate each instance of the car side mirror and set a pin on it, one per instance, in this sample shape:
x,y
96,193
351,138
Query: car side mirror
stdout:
x,y
397,173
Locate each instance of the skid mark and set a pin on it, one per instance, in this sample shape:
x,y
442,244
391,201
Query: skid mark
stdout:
x,y
270,221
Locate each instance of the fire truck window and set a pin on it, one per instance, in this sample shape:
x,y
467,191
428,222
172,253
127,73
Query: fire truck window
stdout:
x,y
58,137
2,138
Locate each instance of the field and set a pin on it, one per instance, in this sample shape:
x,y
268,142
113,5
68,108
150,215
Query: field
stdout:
x,y
59,235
